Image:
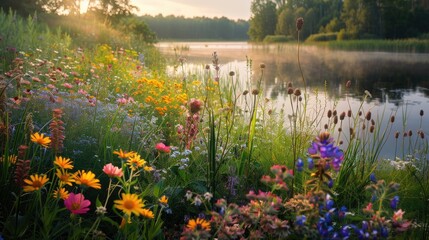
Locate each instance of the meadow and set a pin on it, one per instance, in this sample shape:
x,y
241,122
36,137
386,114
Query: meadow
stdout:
x,y
97,141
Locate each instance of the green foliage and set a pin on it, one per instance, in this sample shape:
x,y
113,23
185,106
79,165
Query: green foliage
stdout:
x,y
263,20
322,37
278,39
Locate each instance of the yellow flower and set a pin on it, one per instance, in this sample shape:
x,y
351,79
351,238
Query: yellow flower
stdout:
x,y
61,193
87,179
123,154
64,163
135,162
35,183
147,213
40,139
129,204
163,200
65,177
148,168
198,224
11,159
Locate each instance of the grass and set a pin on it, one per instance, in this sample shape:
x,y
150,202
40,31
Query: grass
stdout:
x,y
226,154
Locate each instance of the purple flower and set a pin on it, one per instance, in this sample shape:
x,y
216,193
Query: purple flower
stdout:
x,y
329,204
300,220
394,202
372,178
310,163
299,165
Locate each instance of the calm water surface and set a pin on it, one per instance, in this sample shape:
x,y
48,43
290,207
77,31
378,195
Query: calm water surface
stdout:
x,y
398,82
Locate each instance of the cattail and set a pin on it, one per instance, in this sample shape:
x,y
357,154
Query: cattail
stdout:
x,y
422,135
255,91
405,134
299,23
371,129
290,91
368,116
392,119
326,126
372,122
262,65
297,92
334,113
335,119
348,84
360,113
232,73
422,113
410,133
342,116
329,113
396,134
21,171
340,129
349,113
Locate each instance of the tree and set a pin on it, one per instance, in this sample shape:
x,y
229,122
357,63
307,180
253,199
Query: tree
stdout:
x,y
263,20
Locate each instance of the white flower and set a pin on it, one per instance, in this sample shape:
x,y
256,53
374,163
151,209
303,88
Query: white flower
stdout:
x,y
208,196
188,195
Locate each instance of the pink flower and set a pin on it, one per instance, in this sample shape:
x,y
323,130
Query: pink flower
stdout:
x,y
397,216
112,171
162,148
195,105
77,204
67,85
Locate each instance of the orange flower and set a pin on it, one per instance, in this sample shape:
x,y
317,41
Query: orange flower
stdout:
x,y
122,154
40,139
135,162
65,177
163,200
198,224
64,163
61,193
35,182
87,179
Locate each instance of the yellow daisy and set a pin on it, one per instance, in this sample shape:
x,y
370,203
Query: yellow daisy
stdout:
x,y
147,213
87,179
135,162
129,204
198,224
40,139
65,177
163,200
35,182
64,163
148,168
61,193
123,154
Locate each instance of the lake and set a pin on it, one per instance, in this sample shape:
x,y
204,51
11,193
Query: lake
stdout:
x,y
398,82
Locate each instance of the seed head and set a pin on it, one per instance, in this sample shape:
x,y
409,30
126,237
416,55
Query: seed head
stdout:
x,y
232,73
245,92
392,119
422,113
255,91
262,65
329,113
342,116
299,23
297,92
290,91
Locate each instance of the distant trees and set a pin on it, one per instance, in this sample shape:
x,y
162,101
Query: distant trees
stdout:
x,y
263,20
179,27
350,18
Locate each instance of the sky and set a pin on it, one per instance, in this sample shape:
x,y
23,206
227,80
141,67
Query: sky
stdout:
x,y
232,9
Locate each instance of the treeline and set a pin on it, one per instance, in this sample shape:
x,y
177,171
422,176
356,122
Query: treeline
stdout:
x,y
340,19
179,27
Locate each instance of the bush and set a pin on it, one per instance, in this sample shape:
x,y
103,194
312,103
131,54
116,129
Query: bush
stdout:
x,y
278,38
322,37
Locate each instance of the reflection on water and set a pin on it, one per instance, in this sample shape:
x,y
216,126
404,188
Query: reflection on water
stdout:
x,y
398,82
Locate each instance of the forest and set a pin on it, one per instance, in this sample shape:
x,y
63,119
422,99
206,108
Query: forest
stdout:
x,y
348,19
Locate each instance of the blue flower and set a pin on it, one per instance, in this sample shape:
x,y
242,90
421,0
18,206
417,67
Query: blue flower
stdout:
x,y
372,178
394,202
310,163
300,220
299,165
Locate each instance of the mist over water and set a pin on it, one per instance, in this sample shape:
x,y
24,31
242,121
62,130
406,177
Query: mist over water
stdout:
x,y
398,82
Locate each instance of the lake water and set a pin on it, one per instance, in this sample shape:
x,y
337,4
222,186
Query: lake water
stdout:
x,y
398,82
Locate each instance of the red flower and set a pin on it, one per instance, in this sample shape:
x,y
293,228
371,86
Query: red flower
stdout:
x,y
162,148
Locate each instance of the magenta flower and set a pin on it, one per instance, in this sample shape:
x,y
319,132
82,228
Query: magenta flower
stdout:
x,y
77,204
162,148
112,171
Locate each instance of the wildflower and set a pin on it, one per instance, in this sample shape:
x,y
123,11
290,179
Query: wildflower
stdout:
x,y
64,163
372,178
163,200
135,162
310,163
195,105
148,168
40,139
188,195
77,204
394,202
35,183
397,216
61,193
122,154
147,213
100,210
11,159
162,148
299,165
208,196
129,204
198,224
299,23
300,220
197,201
87,179
65,177
112,171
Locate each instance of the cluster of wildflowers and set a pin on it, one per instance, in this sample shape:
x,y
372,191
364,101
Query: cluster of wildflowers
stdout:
x,y
181,157
188,133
